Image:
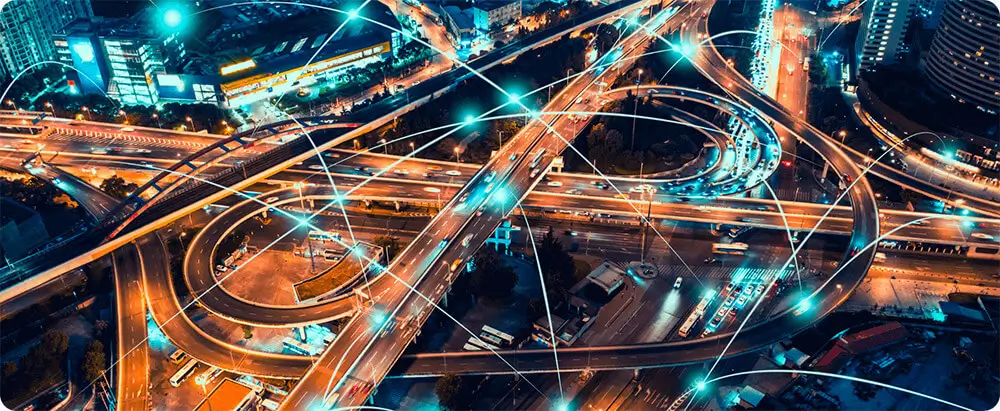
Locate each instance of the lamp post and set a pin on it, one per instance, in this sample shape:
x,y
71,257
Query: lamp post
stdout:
x,y
157,118
52,109
413,148
191,121
385,145
124,116
635,106
302,203
12,104
86,110
458,154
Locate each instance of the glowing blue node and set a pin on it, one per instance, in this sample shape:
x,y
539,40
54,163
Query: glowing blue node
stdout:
x,y
353,14
561,405
514,98
700,385
172,18
469,119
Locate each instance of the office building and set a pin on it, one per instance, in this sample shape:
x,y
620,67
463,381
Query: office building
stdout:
x,y
492,14
26,29
120,57
964,59
884,24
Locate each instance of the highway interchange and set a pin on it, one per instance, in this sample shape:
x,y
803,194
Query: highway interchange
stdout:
x,y
472,204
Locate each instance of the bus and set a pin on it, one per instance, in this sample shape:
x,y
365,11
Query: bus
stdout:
x,y
208,375
298,347
506,338
470,347
731,249
689,323
182,374
805,64
323,236
702,306
537,159
177,356
490,338
482,345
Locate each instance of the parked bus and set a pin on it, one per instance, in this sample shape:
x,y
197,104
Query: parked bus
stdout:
x,y
805,64
182,374
208,376
506,338
298,347
177,356
482,345
490,338
323,236
731,249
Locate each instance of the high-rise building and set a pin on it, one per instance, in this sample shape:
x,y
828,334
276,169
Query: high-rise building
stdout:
x,y
883,28
120,57
964,59
26,29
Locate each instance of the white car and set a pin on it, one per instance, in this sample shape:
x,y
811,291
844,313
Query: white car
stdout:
x,y
453,173
677,283
401,171
315,167
982,236
554,183
466,240
270,200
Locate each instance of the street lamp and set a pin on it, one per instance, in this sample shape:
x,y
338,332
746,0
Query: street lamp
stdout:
x,y
52,110
86,110
124,116
157,118
191,121
635,105
412,148
12,104
458,154
843,135
312,261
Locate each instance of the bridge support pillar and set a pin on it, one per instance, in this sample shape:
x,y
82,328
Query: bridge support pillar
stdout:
x,y
502,236
396,203
557,164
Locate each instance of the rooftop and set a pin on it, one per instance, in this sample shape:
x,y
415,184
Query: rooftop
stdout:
x,y
228,395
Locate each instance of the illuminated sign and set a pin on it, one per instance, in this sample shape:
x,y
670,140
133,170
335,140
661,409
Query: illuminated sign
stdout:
x,y
237,67
170,80
84,51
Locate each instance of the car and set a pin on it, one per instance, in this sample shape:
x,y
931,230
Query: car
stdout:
x,y
56,180
463,198
730,301
728,289
491,176
554,184
489,187
315,167
982,236
760,289
466,240
512,157
711,260
127,129
534,173
480,211
444,242
677,283
715,322
401,171
270,200
434,168
742,300
221,268
455,264
453,173
360,168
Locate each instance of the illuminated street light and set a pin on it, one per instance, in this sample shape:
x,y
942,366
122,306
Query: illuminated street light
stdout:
x,y
458,154
172,18
49,106
157,118
191,121
86,110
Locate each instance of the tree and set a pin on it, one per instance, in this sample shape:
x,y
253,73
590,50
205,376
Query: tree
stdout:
x,y
93,361
9,369
450,391
247,331
492,278
557,264
117,187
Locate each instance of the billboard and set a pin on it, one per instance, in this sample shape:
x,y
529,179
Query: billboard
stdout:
x,y
88,62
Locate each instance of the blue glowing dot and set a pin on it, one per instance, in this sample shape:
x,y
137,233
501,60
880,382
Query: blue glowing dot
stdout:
x,y
353,14
700,386
172,18
469,119
514,98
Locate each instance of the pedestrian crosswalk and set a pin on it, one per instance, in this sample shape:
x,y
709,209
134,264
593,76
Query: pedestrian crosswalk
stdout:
x,y
736,274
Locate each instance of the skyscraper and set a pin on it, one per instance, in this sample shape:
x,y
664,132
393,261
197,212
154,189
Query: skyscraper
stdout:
x,y
964,59
26,29
883,27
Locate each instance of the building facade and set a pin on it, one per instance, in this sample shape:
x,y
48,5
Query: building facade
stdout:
x,y
489,15
120,57
884,24
26,29
964,58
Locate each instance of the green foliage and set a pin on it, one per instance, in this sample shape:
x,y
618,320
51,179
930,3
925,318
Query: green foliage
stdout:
x,y
31,192
492,278
451,392
117,187
557,268
94,361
